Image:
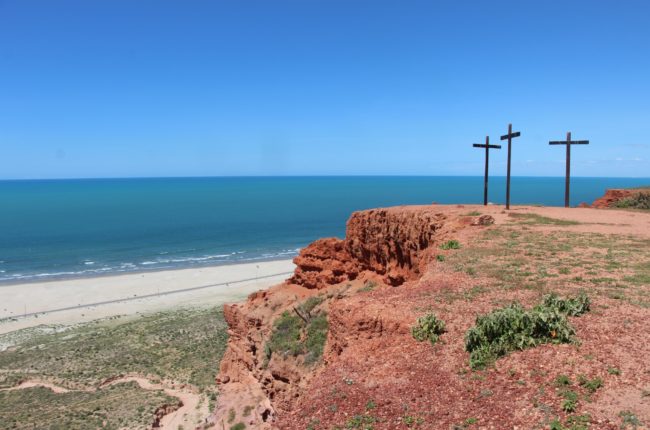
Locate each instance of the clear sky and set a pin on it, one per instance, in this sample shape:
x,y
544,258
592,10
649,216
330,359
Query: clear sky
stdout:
x,y
120,88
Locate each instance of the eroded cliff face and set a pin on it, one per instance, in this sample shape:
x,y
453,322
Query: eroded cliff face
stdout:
x,y
611,197
387,242
391,246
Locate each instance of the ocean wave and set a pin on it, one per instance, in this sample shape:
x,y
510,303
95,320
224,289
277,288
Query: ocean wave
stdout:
x,y
94,268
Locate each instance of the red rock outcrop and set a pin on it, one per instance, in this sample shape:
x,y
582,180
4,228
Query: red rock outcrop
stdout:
x,y
611,197
388,242
392,245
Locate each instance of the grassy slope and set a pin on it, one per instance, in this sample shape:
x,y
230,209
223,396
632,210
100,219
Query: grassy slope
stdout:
x,y
185,346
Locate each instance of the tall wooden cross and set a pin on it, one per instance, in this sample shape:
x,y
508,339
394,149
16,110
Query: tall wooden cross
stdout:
x,y
509,137
568,142
487,147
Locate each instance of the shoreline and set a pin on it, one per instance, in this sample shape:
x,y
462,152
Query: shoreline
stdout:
x,y
67,302
39,279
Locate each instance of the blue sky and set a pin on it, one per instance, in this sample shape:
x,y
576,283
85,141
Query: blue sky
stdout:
x,y
200,88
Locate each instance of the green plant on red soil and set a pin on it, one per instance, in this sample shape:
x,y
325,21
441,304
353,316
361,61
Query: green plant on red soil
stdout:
x,y
562,380
514,328
572,306
368,286
629,419
238,426
428,327
640,200
539,219
294,336
591,385
573,422
450,244
364,422
570,401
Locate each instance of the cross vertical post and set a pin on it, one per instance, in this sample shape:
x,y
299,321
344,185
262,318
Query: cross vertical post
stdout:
x,y
487,147
567,182
509,136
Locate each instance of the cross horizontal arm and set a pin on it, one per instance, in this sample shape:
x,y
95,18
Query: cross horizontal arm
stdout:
x,y
511,135
482,145
570,142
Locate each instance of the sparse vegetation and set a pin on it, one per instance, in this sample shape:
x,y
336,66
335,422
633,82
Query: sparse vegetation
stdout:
x,y
515,328
590,385
640,200
183,345
630,420
368,286
570,401
295,335
428,327
364,422
562,381
450,244
528,218
573,422
119,406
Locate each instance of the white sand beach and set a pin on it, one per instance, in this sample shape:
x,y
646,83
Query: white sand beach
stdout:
x,y
81,300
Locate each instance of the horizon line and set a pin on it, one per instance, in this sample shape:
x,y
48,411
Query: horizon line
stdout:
x,y
89,178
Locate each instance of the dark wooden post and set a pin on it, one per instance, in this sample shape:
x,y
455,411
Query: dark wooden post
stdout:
x,y
567,182
509,136
487,147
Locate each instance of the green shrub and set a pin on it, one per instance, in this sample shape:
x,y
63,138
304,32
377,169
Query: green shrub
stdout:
x,y
573,307
591,385
440,258
428,327
310,304
450,244
316,337
562,380
637,201
238,426
285,338
514,328
570,401
287,335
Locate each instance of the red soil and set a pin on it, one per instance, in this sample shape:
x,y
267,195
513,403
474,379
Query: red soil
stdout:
x,y
373,367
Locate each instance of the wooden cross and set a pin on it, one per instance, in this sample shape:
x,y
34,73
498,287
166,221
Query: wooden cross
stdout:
x,y
509,137
487,147
568,142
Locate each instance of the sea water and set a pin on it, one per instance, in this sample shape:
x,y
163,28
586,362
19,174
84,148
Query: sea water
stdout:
x,y
53,229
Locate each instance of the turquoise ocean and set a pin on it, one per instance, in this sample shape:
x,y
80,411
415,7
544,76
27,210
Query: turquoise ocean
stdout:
x,y
52,229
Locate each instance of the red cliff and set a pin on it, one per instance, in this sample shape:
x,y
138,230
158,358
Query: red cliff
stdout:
x,y
387,242
611,197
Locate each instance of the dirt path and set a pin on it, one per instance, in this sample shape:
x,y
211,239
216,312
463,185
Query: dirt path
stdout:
x,y
191,410
34,383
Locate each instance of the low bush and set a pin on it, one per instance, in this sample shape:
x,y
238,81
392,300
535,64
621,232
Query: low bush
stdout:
x,y
514,328
428,327
573,306
450,244
294,336
637,201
